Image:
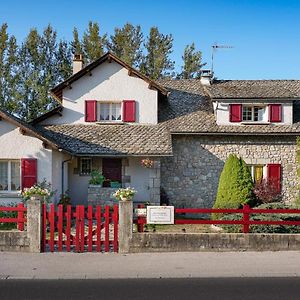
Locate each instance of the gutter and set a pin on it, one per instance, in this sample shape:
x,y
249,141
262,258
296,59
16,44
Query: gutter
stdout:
x,y
63,173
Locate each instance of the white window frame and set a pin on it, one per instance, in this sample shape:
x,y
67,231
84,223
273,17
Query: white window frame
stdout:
x,y
110,111
9,161
80,165
252,106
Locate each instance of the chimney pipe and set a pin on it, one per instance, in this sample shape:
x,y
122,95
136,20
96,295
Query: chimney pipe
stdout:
x,y
77,63
206,77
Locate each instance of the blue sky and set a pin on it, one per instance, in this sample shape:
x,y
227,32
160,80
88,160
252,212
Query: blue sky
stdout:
x,y
265,34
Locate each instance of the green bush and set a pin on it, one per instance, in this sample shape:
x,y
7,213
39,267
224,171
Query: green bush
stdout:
x,y
266,217
235,185
97,178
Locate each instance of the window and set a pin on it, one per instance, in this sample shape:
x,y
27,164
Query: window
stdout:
x,y
257,172
85,166
10,174
109,112
253,113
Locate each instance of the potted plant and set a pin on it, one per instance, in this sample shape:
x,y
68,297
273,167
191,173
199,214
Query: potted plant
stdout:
x,y
40,191
124,194
115,184
97,178
147,163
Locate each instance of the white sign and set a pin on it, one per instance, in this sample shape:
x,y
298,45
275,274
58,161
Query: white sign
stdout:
x,y
160,214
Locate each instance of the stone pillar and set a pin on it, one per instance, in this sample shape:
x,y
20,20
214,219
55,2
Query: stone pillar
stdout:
x,y
125,225
34,225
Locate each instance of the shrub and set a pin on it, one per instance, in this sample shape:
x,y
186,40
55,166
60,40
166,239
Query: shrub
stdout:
x,y
269,217
8,214
235,185
65,199
266,191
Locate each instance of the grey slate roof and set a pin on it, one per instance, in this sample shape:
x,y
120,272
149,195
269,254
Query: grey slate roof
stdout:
x,y
110,139
189,110
243,89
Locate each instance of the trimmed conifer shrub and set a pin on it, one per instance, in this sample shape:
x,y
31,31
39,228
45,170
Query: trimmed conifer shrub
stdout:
x,y
235,185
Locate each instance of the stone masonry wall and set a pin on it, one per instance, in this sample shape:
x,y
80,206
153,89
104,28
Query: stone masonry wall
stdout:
x,y
191,176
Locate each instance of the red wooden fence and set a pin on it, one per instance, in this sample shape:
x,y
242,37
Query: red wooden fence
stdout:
x,y
245,221
20,219
83,229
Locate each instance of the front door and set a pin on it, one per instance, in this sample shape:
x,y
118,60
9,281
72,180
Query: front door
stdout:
x,y
112,169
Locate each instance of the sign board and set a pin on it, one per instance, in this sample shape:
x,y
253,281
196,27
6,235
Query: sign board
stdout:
x,y
140,212
160,214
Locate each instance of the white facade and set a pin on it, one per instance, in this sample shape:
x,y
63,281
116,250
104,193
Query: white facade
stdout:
x,y
222,111
15,146
109,82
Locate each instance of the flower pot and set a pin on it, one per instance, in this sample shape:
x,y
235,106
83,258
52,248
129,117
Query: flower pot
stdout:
x,y
125,199
36,198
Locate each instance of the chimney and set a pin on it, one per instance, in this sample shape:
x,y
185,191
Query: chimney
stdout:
x,y
77,63
206,77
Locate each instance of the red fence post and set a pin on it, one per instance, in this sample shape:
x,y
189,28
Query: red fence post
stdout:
x,y
82,217
60,226
106,242
246,218
52,226
77,248
20,217
90,224
68,228
116,224
98,230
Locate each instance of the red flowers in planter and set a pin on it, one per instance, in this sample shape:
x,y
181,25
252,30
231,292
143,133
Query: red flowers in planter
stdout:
x,y
147,163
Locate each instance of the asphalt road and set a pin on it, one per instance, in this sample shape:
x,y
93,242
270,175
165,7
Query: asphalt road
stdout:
x,y
142,289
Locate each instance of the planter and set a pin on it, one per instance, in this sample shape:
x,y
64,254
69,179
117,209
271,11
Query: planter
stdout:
x,y
126,199
114,184
37,198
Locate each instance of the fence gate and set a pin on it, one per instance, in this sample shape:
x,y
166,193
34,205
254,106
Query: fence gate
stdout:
x,y
80,229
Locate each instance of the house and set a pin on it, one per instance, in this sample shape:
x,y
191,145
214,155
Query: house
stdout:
x,y
110,117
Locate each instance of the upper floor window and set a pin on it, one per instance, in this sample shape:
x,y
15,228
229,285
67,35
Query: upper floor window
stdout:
x,y
253,113
109,111
104,111
10,176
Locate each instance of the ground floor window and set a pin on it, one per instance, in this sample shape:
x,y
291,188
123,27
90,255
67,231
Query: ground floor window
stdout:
x,y
257,172
10,176
85,166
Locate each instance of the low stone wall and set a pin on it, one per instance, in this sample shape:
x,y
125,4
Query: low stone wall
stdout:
x,y
166,242
98,195
14,241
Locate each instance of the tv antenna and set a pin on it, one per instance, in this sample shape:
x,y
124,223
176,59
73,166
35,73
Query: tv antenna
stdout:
x,y
214,50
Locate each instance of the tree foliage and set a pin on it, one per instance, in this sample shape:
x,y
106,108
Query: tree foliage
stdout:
x,y
157,63
192,63
235,184
126,43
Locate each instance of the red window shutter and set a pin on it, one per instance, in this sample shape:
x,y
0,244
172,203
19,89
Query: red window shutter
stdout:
x,y
90,110
274,174
235,112
129,111
275,112
29,172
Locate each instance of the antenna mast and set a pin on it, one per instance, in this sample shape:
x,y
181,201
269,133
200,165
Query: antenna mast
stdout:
x,y
214,49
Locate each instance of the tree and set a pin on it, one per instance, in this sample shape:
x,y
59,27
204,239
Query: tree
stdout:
x,y
126,44
8,70
157,63
76,44
191,63
235,185
92,43
64,61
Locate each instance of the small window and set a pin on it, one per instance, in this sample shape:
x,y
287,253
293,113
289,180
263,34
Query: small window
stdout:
x,y
109,112
85,166
10,176
253,113
257,172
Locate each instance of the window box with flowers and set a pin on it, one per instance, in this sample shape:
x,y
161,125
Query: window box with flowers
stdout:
x,y
125,194
147,163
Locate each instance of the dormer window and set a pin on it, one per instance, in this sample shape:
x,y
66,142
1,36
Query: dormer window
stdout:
x,y
109,112
253,113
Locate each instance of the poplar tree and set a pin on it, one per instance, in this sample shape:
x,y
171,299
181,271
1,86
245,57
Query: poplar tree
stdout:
x,y
157,63
92,43
126,43
76,44
191,63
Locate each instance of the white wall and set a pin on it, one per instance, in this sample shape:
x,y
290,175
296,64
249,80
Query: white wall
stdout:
x,y
109,82
222,111
14,145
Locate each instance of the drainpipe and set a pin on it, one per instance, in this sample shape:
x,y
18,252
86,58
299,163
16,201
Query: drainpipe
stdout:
x,y
63,173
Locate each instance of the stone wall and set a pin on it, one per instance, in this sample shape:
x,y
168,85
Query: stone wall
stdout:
x,y
98,195
190,178
12,240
